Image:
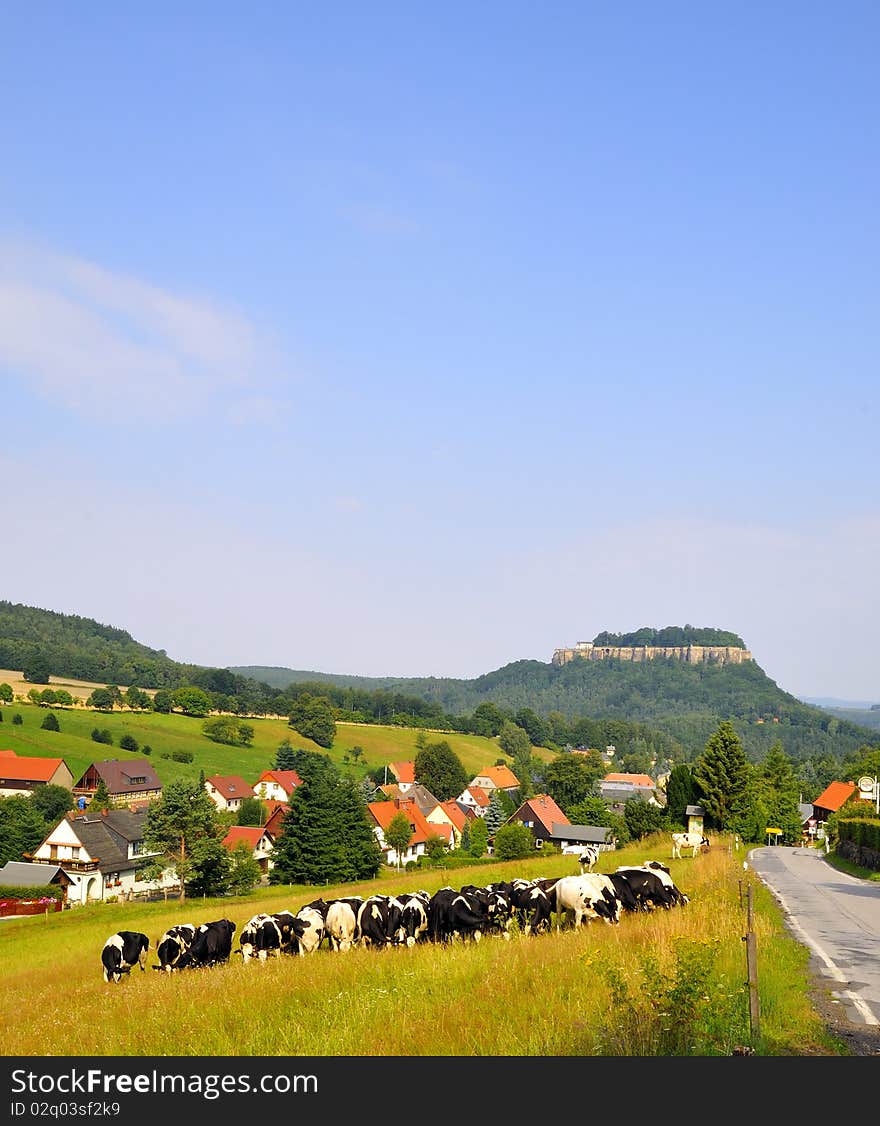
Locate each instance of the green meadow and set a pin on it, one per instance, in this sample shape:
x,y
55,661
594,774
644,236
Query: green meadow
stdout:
x,y
660,983
165,734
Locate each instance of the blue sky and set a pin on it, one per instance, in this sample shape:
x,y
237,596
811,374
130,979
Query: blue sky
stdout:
x,y
385,340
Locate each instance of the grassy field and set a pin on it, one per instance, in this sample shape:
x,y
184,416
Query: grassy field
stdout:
x,y
663,983
165,734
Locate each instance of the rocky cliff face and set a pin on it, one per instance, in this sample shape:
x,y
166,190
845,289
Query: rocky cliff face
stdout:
x,y
693,654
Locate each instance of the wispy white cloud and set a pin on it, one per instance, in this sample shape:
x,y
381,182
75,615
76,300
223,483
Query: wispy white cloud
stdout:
x,y
100,341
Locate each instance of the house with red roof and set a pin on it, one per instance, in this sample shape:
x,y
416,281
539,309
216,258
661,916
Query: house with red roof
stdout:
x,y
448,815
227,791
475,799
277,784
260,842
542,816
275,819
22,775
383,812
495,778
835,795
404,774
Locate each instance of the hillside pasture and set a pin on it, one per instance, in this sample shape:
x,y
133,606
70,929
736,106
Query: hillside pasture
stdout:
x,y
166,733
571,993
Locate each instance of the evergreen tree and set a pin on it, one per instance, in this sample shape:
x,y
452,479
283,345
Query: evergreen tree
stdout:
x,y
722,776
284,756
22,828
680,793
495,813
50,723
327,837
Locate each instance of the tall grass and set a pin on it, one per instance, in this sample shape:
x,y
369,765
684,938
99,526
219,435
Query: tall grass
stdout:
x,y
660,983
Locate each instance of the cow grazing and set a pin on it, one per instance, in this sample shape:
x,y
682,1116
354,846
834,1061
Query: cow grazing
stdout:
x,y
310,937
586,898
247,940
173,944
341,923
274,935
588,858
532,907
122,952
693,841
457,915
211,945
650,888
414,916
379,922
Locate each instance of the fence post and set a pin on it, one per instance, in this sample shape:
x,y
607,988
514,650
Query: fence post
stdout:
x,y
751,941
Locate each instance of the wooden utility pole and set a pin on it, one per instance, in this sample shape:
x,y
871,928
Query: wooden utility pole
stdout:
x,y
751,941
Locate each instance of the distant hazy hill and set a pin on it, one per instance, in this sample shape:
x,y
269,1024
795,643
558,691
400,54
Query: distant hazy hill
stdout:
x,y
687,701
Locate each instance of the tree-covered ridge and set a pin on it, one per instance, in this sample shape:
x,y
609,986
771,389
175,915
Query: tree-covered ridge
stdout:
x,y
671,636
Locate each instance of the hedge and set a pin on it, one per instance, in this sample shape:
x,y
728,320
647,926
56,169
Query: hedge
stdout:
x,y
52,891
858,840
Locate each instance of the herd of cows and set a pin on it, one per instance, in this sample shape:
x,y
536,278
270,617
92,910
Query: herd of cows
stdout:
x,y
382,921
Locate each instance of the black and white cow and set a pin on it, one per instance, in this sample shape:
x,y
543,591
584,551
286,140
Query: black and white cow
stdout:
x,y
312,917
414,917
211,945
341,922
456,915
532,906
122,952
379,922
694,841
588,858
173,944
649,887
585,898
278,934
247,940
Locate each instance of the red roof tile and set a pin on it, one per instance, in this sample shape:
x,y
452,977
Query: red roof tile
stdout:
x,y
500,776
245,833
288,780
403,771
545,810
21,769
633,779
835,795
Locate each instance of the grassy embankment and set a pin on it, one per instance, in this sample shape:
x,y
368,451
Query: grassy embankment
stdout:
x,y
663,983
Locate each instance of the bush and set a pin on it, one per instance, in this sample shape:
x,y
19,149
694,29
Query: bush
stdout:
x,y
17,718
181,756
128,743
102,735
146,749
50,723
513,842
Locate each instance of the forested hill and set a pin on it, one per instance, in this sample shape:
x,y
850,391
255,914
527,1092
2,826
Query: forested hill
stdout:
x,y
686,701
671,636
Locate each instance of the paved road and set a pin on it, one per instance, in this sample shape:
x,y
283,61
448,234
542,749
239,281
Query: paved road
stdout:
x,y
836,916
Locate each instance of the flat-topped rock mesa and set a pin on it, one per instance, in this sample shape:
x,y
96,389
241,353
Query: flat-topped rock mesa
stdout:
x,y
692,654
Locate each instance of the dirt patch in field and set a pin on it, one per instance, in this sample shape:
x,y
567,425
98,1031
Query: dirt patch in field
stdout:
x,y
79,689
